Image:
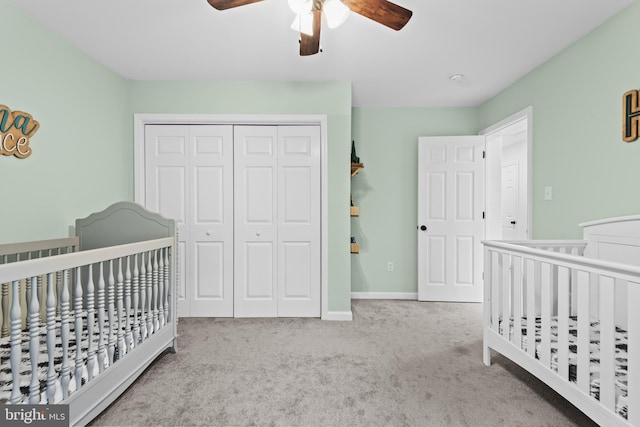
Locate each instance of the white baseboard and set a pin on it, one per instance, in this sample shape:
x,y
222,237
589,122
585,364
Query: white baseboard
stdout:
x,y
385,295
338,315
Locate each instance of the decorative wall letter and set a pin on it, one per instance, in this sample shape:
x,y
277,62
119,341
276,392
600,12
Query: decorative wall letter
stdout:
x,y
630,116
15,130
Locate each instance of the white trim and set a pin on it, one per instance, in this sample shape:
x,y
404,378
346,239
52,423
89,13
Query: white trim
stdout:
x,y
338,316
413,296
526,113
141,120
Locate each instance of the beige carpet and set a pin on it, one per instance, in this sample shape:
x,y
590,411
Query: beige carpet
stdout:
x,y
399,363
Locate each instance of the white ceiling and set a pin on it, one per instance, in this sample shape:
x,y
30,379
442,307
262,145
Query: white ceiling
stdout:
x,y
491,42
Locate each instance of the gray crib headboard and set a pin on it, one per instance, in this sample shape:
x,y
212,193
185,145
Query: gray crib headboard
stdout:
x,y
121,223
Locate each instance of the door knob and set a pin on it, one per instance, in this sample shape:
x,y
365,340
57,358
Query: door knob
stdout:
x,y
258,233
513,222
423,227
209,232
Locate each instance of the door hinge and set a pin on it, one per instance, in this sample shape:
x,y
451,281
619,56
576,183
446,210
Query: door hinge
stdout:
x,y
483,215
484,154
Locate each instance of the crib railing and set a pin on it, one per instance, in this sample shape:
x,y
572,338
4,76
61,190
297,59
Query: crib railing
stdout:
x,y
16,252
120,295
529,280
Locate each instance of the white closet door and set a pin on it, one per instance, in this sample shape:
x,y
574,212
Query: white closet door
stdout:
x,y
189,177
166,189
255,242
298,221
211,209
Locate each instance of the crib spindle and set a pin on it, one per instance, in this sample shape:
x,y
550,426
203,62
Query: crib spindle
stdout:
x,y
101,298
90,322
516,266
563,322
546,300
136,297
51,336
127,307
496,260
77,311
633,354
111,344
5,310
143,301
583,356
34,343
607,342
161,285
155,276
167,292
16,342
65,371
531,306
149,295
119,307
506,295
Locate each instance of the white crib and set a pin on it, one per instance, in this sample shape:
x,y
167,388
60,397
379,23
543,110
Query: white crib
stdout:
x,y
580,301
82,317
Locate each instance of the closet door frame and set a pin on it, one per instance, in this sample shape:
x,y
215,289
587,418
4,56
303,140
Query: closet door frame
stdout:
x,y
141,120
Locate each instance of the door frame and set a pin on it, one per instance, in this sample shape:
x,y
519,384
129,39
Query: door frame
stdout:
x,y
141,120
524,114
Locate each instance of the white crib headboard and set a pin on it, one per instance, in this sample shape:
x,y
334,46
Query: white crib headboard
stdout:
x,y
121,223
613,239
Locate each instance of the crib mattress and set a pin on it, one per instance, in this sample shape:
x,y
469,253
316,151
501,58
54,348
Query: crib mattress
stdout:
x,y
594,369
6,379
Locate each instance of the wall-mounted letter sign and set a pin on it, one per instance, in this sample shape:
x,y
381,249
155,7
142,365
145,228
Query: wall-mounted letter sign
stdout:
x,y
16,127
630,116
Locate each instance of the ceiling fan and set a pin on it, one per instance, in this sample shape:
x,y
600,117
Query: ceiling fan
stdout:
x,y
309,16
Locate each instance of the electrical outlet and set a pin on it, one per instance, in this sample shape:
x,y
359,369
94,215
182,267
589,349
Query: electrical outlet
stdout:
x,y
390,266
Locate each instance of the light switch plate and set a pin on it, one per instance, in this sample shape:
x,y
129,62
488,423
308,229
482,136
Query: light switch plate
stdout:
x,y
548,193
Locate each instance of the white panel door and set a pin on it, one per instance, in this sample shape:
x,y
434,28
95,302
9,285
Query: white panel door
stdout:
x,y
255,221
298,221
450,208
509,201
189,177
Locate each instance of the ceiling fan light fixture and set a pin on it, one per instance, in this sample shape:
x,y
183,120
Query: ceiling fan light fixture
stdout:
x,y
301,7
336,12
303,24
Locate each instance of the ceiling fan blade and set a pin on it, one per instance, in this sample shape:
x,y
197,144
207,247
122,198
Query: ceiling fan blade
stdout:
x,y
310,45
228,4
381,11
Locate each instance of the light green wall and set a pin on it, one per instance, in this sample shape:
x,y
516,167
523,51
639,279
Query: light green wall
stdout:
x,y
330,99
386,190
81,157
577,143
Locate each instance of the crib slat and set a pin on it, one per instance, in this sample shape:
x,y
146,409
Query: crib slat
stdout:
x,y
583,356
546,301
34,342
633,354
496,260
136,298
161,318
128,338
15,318
111,344
149,295
156,319
516,265
563,322
90,322
101,309
5,310
167,291
143,299
607,342
51,337
120,327
77,311
65,371
505,294
531,307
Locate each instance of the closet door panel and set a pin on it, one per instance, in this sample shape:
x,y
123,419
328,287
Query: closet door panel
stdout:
x,y
255,227
211,208
298,221
166,181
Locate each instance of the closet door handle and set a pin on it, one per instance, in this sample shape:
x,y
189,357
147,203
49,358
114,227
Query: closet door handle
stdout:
x,y
209,233
258,233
